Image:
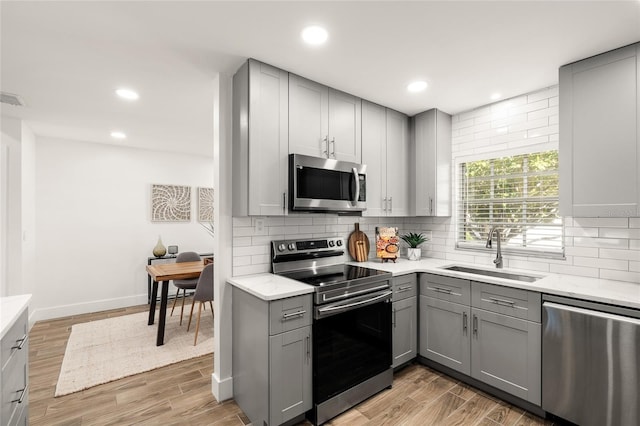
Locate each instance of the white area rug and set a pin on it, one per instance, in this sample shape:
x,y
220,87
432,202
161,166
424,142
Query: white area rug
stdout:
x,y
110,349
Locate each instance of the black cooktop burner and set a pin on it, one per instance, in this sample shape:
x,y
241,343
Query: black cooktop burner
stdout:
x,y
330,275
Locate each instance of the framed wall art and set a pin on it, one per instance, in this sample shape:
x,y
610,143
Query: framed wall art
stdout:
x,y
170,203
205,204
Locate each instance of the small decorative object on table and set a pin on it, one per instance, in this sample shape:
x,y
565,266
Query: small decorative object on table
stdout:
x,y
159,250
358,244
414,240
173,250
387,241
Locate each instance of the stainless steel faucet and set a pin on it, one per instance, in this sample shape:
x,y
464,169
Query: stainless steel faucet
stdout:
x,y
498,259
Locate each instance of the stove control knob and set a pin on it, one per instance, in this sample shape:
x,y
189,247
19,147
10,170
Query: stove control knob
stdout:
x,y
331,243
339,242
281,247
292,246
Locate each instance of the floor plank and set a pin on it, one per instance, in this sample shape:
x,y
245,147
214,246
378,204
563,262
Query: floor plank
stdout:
x,y
180,394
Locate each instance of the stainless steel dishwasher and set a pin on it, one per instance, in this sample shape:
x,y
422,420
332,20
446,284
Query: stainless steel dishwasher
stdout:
x,y
590,362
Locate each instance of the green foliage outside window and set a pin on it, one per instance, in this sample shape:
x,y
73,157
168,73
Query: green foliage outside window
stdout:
x,y
518,194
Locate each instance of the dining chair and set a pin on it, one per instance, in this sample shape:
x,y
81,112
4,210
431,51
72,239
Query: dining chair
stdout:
x,y
204,293
184,285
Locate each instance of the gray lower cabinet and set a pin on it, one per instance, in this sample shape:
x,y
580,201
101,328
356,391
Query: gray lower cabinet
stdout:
x,y
14,381
405,319
494,337
272,357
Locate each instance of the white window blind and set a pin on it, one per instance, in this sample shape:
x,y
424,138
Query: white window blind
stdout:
x,y
519,196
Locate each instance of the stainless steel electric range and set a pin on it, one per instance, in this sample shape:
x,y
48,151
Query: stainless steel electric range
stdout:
x,y
352,341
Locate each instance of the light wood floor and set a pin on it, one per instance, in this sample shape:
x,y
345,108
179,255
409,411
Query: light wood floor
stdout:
x,y
180,394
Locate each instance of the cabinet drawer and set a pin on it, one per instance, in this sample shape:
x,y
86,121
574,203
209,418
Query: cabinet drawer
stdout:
x,y
454,290
13,338
514,302
404,287
289,314
14,384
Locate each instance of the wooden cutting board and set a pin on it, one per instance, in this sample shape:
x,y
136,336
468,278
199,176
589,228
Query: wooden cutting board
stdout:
x,y
358,245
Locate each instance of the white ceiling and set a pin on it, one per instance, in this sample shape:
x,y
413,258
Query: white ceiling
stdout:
x,y
65,59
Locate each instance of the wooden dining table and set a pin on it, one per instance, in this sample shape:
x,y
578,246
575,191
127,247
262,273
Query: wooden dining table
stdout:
x,y
163,273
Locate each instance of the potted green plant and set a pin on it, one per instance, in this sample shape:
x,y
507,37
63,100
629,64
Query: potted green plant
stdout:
x,y
414,240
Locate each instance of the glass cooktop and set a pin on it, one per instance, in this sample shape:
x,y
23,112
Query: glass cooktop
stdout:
x,y
330,275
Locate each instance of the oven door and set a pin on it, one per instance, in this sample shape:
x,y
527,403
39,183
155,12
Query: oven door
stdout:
x,y
351,343
321,184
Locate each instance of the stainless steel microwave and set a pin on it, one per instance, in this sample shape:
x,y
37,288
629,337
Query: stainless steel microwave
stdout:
x,y
323,184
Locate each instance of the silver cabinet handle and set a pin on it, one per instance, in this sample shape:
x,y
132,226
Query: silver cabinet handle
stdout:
x,y
384,204
475,325
390,204
284,201
308,339
292,315
23,393
326,143
403,289
443,290
333,151
394,318
430,205
503,302
20,343
464,322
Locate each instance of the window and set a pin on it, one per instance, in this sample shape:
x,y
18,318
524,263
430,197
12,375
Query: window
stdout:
x,y
519,196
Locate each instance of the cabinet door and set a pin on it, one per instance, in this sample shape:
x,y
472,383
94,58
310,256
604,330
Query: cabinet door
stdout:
x,y
444,333
431,163
268,139
599,127
405,332
397,160
506,354
345,113
308,117
374,141
289,374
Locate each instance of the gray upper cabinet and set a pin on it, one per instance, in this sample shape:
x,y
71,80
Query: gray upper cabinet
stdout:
x,y
323,122
600,135
385,151
431,164
260,140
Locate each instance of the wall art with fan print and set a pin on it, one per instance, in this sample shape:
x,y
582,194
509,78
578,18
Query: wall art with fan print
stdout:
x,y
170,203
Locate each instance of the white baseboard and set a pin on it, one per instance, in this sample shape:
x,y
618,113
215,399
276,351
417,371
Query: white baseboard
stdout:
x,y
86,307
222,390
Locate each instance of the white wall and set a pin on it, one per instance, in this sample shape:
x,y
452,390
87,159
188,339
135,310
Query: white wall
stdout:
x,y
10,207
28,214
604,248
93,225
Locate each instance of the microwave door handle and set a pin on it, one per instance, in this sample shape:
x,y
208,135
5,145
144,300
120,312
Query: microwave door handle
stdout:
x,y
356,178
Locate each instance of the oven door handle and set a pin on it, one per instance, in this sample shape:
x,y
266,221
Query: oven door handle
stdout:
x,y
347,306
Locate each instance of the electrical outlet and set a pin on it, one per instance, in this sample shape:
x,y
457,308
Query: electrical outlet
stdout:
x,y
259,228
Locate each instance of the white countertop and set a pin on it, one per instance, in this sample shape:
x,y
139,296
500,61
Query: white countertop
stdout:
x,y
10,309
619,293
271,287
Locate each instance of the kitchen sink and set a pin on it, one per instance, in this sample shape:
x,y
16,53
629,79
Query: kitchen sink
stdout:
x,y
493,273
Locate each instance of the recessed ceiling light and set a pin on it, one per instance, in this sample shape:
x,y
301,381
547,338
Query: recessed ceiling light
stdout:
x,y
127,94
314,35
495,96
118,135
417,86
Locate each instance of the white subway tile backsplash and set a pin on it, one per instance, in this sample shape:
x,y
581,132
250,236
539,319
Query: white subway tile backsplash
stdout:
x,y
633,277
619,233
583,251
601,222
620,243
621,265
543,94
580,232
620,254
634,222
